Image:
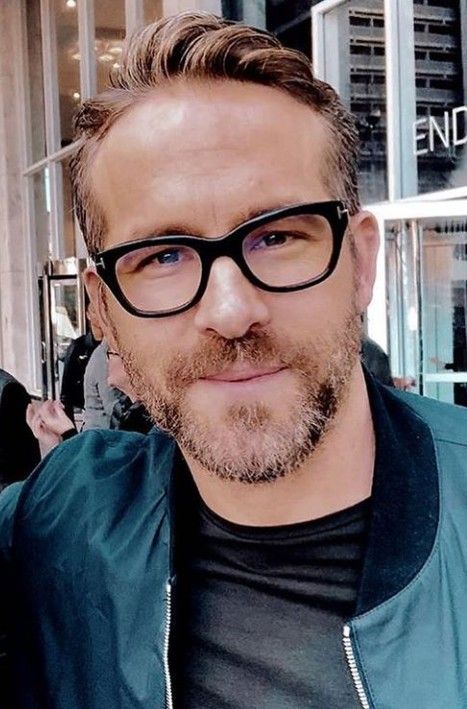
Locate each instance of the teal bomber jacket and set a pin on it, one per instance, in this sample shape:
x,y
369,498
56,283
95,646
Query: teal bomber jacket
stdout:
x,y
86,569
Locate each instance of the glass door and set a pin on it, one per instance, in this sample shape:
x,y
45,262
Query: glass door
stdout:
x,y
62,318
444,308
426,289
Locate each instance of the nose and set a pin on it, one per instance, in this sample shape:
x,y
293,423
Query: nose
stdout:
x,y
231,305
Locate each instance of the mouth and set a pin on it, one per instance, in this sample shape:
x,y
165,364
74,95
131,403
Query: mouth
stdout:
x,y
244,374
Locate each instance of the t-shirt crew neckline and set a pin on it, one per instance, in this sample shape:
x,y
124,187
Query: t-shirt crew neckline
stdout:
x,y
294,530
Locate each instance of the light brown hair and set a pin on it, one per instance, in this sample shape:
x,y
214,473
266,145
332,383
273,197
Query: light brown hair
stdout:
x,y
201,46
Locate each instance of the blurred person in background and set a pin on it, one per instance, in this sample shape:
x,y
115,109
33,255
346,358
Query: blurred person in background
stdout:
x,y
376,361
75,363
19,450
51,425
100,397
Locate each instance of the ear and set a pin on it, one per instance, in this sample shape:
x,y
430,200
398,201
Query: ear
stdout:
x,y
364,228
94,288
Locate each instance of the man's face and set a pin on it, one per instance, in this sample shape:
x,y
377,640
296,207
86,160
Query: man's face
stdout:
x,y
246,380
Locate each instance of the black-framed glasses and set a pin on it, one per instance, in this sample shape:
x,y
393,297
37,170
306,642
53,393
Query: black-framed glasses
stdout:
x,y
110,353
285,250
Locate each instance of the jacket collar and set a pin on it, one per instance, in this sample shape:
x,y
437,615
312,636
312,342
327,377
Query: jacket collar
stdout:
x,y
405,498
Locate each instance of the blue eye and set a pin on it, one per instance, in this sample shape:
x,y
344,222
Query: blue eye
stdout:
x,y
169,256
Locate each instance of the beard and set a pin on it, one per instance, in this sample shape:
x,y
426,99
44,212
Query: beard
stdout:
x,y
250,441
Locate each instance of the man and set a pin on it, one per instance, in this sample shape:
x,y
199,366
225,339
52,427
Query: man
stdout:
x,y
298,540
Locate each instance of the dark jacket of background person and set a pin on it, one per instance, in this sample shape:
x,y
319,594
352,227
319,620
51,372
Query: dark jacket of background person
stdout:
x,y
130,416
376,361
94,528
19,450
75,363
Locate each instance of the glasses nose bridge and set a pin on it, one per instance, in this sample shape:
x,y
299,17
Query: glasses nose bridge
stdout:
x,y
229,246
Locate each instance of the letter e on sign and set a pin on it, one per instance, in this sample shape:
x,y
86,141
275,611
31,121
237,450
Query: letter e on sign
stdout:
x,y
418,137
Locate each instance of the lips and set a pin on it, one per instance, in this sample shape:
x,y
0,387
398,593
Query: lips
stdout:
x,y
244,374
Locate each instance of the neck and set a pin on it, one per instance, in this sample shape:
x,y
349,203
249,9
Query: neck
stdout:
x,y
338,474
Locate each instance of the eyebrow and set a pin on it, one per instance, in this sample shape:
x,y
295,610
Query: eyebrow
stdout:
x,y
180,229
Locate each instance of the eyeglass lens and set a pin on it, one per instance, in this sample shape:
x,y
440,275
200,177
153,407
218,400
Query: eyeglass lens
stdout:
x,y
282,253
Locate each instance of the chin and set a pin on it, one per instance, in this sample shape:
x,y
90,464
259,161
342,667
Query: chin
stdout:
x,y
248,443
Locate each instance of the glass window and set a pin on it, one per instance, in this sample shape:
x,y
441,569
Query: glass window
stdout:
x,y
440,132
291,23
355,66
35,80
444,309
367,88
109,36
401,240
152,10
68,65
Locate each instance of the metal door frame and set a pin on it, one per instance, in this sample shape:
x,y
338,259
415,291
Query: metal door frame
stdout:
x,y
65,270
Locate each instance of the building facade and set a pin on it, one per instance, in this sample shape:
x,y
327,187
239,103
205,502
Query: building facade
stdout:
x,y
401,67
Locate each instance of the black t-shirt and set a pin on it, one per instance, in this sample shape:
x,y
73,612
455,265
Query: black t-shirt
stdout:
x,y
260,611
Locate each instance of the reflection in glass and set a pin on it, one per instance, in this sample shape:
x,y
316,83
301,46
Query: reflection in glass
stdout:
x,y
290,21
441,71
444,309
68,63
35,76
64,320
110,32
355,65
366,57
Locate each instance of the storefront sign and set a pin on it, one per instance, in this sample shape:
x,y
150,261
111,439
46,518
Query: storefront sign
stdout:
x,y
430,133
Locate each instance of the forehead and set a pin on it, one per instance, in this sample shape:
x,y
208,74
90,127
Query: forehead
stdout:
x,y
204,155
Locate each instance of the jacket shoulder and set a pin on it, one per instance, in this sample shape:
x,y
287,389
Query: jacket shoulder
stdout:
x,y
91,479
447,422
99,454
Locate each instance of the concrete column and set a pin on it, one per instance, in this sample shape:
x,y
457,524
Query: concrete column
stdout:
x,y
16,343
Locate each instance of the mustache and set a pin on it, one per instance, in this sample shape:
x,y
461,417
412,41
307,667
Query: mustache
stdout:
x,y
217,354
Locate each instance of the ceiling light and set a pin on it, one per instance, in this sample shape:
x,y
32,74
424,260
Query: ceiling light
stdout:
x,y
71,4
76,95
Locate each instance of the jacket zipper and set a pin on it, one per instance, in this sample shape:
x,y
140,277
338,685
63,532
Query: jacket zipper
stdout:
x,y
168,618
352,664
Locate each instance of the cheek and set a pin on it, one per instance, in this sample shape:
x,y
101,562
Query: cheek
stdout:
x,y
315,310
149,337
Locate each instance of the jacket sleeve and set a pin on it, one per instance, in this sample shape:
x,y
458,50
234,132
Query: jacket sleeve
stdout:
x,y
8,503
